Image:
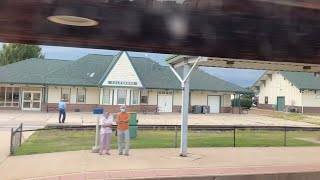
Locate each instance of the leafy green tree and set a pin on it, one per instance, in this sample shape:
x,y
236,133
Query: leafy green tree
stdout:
x,y
11,53
244,102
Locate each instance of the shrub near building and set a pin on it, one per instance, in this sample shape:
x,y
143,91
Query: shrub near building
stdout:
x,y
244,102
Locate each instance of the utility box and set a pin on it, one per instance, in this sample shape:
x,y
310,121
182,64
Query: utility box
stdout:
x,y
133,125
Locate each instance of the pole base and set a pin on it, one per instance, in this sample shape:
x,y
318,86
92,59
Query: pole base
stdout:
x,y
95,149
183,155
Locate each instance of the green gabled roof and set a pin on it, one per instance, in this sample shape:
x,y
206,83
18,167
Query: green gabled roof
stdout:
x,y
92,70
86,71
135,69
155,76
200,80
302,80
29,71
110,67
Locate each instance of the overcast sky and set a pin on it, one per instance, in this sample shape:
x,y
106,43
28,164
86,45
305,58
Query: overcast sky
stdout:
x,y
241,77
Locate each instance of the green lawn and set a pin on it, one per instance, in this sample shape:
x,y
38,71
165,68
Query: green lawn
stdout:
x,y
298,117
291,116
67,140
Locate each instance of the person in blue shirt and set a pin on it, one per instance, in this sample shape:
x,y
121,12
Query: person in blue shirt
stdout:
x,y
62,110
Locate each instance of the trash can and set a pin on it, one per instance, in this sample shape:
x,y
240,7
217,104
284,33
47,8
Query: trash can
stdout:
x,y
197,109
205,109
292,109
133,128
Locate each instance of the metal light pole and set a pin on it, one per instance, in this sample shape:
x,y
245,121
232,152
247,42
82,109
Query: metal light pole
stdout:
x,y
185,103
185,111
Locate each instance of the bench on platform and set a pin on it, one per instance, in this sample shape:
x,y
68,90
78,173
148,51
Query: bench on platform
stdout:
x,y
146,109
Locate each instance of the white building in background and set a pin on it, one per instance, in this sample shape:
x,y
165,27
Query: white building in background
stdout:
x,y
287,90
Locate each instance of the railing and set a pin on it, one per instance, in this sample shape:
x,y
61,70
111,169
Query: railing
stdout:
x,y
229,136
235,131
16,138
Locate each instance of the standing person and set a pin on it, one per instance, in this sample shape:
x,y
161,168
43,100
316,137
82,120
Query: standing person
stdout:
x,y
123,119
106,132
62,110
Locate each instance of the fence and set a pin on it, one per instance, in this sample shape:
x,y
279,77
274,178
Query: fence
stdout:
x,y
168,136
238,135
16,138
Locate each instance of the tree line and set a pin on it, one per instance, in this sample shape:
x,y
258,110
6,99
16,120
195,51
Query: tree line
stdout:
x,y
13,52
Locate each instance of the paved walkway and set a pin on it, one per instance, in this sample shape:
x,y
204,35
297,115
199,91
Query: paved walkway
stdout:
x,y
34,120
161,163
14,118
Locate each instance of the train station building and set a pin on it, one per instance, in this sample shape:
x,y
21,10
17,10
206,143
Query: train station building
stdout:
x,y
108,81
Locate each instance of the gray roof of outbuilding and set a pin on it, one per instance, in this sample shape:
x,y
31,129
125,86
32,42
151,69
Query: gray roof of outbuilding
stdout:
x,y
92,69
302,80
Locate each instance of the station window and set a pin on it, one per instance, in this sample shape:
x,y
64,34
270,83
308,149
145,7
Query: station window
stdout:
x,y
81,95
144,97
122,96
65,94
106,96
9,96
135,96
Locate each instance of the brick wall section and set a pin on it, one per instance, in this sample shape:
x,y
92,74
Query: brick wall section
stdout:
x,y
235,110
222,109
310,109
265,106
9,108
89,107
225,109
299,108
138,108
111,108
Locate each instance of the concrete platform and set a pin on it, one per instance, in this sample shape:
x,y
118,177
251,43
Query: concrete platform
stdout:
x,y
230,163
156,163
14,118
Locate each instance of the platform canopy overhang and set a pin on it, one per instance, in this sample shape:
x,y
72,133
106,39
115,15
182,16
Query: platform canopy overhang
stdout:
x,y
255,34
178,60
